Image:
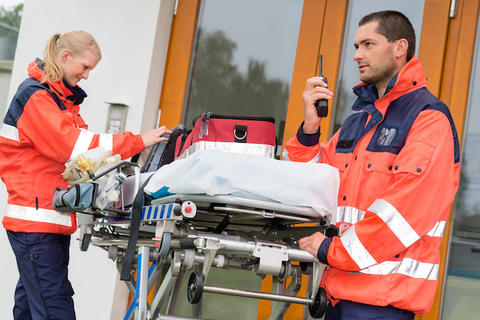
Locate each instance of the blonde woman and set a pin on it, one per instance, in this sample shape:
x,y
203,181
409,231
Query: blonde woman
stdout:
x,y
41,131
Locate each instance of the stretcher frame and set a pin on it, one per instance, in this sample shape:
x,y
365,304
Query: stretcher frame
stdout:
x,y
188,232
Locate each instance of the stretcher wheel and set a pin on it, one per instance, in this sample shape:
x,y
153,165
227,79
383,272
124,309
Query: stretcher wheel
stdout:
x,y
195,287
317,308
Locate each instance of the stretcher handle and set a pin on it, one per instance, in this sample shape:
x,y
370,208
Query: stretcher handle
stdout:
x,y
117,165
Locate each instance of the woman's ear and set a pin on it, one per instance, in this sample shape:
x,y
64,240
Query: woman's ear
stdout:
x,y
64,55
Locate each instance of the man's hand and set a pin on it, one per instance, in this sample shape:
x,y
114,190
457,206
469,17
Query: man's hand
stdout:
x,y
312,243
155,136
315,89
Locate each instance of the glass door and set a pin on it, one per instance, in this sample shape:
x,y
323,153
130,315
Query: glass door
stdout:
x,y
462,290
243,59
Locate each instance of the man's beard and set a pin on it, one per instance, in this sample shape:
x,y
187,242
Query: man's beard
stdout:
x,y
382,72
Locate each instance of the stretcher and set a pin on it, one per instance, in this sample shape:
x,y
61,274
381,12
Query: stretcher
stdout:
x,y
189,234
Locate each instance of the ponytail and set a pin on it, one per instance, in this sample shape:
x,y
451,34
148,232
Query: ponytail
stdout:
x,y
51,68
76,42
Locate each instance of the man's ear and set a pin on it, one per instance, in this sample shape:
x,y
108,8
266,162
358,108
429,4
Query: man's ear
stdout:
x,y
400,48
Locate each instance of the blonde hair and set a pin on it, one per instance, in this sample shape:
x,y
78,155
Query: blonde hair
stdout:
x,y
75,41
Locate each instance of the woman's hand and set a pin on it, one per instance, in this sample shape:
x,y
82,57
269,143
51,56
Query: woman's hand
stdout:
x,y
155,136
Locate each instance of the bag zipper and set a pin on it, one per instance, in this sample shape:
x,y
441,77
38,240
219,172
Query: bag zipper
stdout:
x,y
208,115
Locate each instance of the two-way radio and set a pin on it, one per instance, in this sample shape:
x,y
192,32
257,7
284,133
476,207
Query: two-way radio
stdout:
x,y
321,104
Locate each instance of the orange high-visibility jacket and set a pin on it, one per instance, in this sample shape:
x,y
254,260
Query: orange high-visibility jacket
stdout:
x,y
40,132
398,158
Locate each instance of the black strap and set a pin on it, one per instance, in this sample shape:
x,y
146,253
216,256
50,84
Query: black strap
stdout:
x,y
134,228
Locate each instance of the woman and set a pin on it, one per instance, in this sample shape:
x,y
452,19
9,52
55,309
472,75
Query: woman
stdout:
x,y
41,131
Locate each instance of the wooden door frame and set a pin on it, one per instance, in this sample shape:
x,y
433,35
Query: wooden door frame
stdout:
x,y
453,89
177,67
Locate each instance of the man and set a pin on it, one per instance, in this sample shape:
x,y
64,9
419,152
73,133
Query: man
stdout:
x,y
398,159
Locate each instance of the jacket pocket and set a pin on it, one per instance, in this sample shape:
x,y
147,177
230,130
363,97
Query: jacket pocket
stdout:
x,y
415,158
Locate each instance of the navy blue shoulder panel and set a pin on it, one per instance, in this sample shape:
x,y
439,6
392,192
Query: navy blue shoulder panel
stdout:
x,y
351,132
391,134
356,126
26,89
456,145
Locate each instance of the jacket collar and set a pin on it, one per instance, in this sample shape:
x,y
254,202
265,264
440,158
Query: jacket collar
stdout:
x,y
409,78
61,88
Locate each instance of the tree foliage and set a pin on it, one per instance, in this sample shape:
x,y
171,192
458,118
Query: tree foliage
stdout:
x,y
219,87
11,17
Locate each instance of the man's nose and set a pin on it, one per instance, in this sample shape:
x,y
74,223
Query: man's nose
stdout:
x,y
357,55
85,75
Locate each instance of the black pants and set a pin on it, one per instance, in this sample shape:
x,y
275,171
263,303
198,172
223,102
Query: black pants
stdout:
x,y
43,290
348,310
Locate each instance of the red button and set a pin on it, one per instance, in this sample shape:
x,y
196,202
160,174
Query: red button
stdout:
x,y
188,209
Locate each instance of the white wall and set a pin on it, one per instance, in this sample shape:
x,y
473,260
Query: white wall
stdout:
x,y
133,36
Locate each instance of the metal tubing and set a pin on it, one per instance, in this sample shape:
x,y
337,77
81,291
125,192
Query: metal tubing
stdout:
x,y
142,282
256,295
163,292
262,214
300,255
169,317
226,245
172,304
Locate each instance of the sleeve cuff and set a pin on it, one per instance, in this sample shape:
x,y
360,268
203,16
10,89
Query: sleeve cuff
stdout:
x,y
323,250
307,140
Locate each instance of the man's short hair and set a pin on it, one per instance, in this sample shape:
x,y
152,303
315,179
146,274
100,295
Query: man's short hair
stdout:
x,y
393,25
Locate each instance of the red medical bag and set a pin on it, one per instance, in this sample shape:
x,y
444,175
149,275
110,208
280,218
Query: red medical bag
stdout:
x,y
237,134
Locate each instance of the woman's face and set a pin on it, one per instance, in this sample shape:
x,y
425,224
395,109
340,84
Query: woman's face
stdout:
x,y
76,67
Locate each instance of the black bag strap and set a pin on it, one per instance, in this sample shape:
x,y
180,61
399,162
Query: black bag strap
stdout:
x,y
168,154
134,229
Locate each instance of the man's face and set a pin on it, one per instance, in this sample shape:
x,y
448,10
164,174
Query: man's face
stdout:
x,y
374,55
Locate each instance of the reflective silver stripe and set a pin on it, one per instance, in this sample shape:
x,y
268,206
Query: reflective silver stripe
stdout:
x,y
9,132
317,157
348,214
408,267
82,144
40,215
355,249
395,221
106,141
438,229
243,148
285,155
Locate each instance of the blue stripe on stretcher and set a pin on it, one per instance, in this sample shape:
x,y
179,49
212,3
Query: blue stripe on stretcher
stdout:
x,y
149,212
162,212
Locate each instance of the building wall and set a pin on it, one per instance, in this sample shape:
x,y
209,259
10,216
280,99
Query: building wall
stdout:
x,y
133,36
